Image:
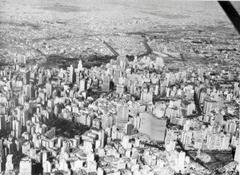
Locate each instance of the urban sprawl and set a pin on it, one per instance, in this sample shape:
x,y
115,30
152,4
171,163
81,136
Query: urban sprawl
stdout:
x,y
127,117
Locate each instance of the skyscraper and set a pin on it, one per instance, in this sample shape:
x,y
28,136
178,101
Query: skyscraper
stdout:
x,y
25,166
82,85
146,96
26,78
237,155
106,83
2,122
2,156
122,115
122,62
9,163
49,89
70,72
29,91
17,128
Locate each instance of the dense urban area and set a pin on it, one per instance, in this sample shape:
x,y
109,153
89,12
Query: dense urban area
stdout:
x,y
133,102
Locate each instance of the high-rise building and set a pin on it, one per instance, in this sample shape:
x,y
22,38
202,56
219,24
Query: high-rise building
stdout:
x,y
26,78
49,89
162,88
24,117
2,122
2,156
120,89
100,171
78,76
122,115
159,62
129,128
181,160
40,78
147,96
29,91
25,166
47,167
116,75
70,73
82,85
209,105
17,128
80,66
231,126
96,123
9,163
237,155
152,126
107,121
106,83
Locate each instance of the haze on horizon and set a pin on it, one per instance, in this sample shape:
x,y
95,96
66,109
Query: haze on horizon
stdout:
x,y
110,15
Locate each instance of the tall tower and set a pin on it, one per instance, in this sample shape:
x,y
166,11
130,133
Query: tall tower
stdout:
x,y
17,128
237,155
2,156
2,123
80,66
106,83
26,78
122,115
70,72
49,90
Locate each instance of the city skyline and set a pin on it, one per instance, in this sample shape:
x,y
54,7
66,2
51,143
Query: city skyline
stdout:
x,y
118,88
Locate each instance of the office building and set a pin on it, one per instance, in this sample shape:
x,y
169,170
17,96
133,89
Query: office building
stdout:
x,y
49,89
237,155
25,166
2,122
209,105
122,115
106,83
16,128
9,163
